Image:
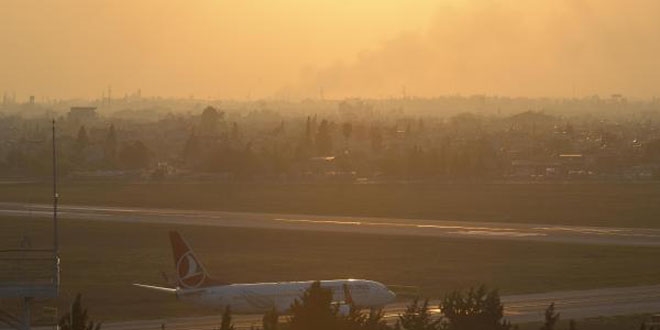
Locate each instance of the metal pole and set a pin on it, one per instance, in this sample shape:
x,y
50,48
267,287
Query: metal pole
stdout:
x,y
56,243
26,313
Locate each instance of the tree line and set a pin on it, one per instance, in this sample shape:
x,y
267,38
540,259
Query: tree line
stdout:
x,y
464,146
472,309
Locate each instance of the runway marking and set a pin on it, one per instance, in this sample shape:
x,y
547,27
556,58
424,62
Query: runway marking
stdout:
x,y
497,233
600,231
462,230
333,222
613,231
484,231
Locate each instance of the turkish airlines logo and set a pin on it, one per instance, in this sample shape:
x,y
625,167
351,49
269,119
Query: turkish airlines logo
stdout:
x,y
190,272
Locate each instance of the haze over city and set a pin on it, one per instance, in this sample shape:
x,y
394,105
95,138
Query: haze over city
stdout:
x,y
300,49
330,165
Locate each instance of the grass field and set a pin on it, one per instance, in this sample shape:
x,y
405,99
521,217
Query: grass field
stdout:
x,y
101,260
598,204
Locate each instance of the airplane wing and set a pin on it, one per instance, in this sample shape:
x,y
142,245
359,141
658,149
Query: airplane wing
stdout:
x,y
157,288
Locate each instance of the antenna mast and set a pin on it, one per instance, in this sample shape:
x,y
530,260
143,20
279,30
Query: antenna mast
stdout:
x,y
56,243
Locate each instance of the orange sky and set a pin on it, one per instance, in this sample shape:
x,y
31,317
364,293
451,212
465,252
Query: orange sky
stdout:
x,y
292,48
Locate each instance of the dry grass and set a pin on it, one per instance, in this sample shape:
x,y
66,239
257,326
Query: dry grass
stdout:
x,y
101,260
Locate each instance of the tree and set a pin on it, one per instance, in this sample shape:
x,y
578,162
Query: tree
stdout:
x,y
314,310
308,132
551,318
375,321
417,317
82,140
110,146
79,149
376,138
304,149
354,319
270,320
77,318
324,139
134,155
346,130
478,309
192,150
210,120
226,324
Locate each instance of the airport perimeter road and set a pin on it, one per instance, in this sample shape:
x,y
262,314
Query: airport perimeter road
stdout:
x,y
518,309
410,227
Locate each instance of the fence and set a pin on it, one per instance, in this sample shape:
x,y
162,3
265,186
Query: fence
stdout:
x,y
28,273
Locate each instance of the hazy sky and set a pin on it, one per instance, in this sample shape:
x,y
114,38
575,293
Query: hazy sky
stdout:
x,y
293,48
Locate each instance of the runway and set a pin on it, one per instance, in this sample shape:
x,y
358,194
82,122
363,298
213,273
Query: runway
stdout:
x,y
518,309
366,225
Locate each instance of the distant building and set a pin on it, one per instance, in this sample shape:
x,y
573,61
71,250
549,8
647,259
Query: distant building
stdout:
x,y
82,114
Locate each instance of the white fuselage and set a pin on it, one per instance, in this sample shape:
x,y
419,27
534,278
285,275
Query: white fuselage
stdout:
x,y
259,298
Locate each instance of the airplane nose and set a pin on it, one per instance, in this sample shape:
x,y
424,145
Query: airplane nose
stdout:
x,y
391,296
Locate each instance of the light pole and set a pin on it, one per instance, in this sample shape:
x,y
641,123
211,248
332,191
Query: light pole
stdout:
x,y
56,243
56,240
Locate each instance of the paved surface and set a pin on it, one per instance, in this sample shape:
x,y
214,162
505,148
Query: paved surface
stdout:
x,y
433,228
518,309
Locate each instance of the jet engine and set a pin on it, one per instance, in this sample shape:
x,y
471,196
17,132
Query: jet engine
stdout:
x,y
344,309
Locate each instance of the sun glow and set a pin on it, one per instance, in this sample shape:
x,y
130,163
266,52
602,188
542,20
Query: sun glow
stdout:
x,y
229,49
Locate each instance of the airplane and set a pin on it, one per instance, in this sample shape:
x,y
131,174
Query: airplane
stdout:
x,y
195,285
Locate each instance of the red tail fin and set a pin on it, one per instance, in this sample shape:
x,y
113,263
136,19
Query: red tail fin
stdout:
x,y
190,273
